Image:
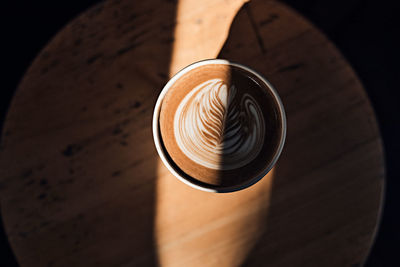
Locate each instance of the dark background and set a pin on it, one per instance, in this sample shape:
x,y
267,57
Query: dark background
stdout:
x,y
365,31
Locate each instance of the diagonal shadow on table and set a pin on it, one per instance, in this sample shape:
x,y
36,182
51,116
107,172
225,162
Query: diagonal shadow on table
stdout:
x,y
304,218
322,211
91,189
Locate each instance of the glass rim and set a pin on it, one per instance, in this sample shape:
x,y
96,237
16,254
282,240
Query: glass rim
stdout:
x,y
200,185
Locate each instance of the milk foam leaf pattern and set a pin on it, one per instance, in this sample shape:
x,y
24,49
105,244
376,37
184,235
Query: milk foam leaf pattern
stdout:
x,y
217,127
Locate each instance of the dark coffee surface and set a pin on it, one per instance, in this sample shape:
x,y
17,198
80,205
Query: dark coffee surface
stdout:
x,y
220,125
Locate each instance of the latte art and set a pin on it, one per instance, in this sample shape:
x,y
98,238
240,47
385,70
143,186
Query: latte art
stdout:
x,y
210,126
217,127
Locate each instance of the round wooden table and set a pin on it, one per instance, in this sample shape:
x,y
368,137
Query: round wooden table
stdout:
x,y
81,182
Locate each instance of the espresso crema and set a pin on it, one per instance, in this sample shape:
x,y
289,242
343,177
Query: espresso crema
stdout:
x,y
219,125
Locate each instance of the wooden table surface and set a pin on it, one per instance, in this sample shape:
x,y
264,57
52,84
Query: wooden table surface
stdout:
x,y
81,183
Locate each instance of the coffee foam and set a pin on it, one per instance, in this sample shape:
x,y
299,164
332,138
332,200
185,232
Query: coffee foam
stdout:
x,y
218,126
213,122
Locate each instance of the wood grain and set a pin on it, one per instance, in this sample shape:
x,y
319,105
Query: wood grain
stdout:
x,y
81,183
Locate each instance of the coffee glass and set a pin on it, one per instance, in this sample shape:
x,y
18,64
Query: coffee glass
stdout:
x,y
219,126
